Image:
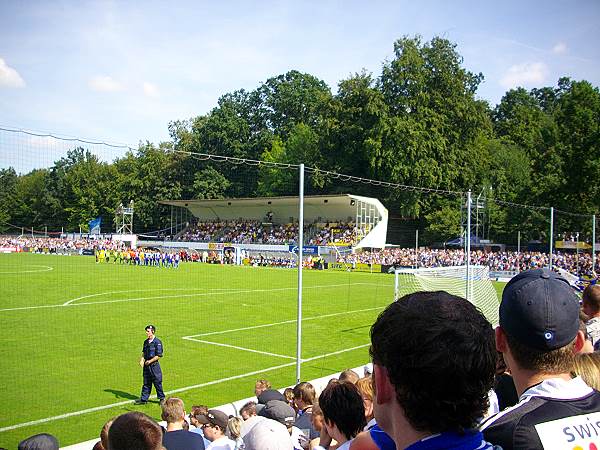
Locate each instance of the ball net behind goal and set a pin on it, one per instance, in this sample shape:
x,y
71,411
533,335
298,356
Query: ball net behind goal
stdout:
x,y
454,281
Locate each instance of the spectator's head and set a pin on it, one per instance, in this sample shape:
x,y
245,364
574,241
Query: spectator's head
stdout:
x,y
173,410
197,410
304,395
261,386
316,419
41,441
288,393
268,434
539,323
343,411
587,366
248,410
591,300
349,375
104,432
134,431
268,395
280,411
234,428
434,363
588,345
214,424
365,387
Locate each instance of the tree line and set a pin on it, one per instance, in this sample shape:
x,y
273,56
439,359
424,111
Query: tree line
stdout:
x,y
419,123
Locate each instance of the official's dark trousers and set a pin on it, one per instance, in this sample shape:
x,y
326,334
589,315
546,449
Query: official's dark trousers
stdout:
x,y
152,375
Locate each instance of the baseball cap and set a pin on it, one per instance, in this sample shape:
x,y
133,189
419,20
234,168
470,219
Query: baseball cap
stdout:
x,y
214,417
270,394
268,434
540,310
279,411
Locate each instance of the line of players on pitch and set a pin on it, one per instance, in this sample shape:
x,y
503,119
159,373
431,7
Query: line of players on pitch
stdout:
x,y
140,257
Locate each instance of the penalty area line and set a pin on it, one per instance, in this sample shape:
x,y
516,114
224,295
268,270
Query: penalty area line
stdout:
x,y
174,391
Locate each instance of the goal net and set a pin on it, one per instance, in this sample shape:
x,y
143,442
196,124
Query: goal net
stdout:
x,y
476,286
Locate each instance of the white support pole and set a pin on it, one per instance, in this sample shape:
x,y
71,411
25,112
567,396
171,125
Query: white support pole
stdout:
x,y
468,248
519,251
300,257
594,242
417,248
551,237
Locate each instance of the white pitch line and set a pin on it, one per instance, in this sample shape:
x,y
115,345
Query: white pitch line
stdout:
x,y
219,344
200,294
174,391
46,269
267,325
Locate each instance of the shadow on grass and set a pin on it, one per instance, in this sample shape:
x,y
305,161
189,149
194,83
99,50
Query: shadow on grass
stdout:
x,y
122,394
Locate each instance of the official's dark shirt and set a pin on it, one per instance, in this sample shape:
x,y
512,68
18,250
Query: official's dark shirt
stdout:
x,y
152,349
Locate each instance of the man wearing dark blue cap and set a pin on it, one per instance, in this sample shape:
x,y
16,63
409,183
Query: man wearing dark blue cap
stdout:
x,y
538,337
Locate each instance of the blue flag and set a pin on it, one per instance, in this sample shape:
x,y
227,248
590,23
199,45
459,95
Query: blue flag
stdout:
x,y
95,225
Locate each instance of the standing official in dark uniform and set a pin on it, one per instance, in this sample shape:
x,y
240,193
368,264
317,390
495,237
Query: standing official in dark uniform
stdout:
x,y
152,351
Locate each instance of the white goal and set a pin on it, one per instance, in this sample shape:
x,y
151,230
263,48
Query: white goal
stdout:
x,y
455,281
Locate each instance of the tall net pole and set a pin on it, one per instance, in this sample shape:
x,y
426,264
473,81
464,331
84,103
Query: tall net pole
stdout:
x,y
594,242
468,247
551,237
300,255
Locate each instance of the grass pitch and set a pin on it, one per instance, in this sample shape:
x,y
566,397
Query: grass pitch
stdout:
x,y
72,332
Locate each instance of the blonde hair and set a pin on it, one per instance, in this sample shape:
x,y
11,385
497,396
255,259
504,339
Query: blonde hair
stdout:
x,y
365,387
172,410
587,366
234,428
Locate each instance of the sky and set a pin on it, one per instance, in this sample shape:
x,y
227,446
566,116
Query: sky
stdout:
x,y
120,71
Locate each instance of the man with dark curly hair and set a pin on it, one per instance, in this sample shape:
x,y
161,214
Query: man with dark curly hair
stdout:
x,y
433,364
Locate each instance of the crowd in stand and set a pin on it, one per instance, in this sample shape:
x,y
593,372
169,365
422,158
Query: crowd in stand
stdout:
x,y
256,232
576,263
532,383
579,264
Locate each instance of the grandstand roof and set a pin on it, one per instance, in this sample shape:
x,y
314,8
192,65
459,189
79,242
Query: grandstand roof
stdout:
x,y
285,209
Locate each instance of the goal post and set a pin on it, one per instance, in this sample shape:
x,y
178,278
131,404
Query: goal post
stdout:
x,y
454,281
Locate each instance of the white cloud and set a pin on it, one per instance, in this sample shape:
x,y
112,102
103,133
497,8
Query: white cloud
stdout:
x,y
102,83
9,77
560,48
150,89
523,74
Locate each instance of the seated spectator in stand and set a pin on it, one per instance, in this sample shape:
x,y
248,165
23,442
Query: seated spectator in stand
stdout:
x,y
197,411
43,441
433,365
261,386
214,424
234,431
539,336
504,386
248,410
587,366
591,307
343,414
266,434
267,396
104,435
588,346
316,421
349,375
288,393
304,399
135,431
283,413
176,437
373,437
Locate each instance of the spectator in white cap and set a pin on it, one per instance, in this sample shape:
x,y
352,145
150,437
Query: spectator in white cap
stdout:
x,y
539,336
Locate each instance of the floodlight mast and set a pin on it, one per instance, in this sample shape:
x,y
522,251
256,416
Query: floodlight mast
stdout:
x,y
124,219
